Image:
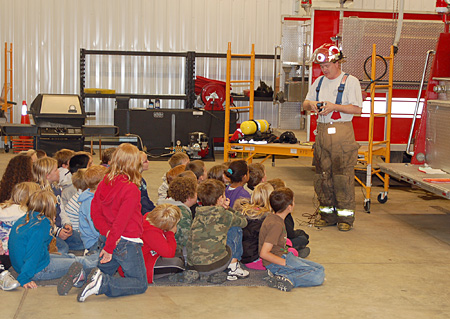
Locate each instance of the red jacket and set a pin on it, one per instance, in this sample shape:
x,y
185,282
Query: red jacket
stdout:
x,y
116,208
156,243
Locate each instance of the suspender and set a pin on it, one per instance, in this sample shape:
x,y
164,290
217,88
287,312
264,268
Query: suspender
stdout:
x,y
340,88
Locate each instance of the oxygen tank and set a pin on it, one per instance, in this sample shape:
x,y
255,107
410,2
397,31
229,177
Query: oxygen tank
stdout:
x,y
253,126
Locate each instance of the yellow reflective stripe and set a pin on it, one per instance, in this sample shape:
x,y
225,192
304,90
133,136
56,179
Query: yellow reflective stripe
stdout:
x,y
326,209
345,212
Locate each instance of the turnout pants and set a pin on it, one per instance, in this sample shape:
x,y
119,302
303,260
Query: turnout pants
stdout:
x,y
335,156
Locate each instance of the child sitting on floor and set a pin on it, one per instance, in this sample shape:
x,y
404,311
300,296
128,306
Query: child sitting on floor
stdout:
x,y
297,238
256,175
199,169
207,249
160,226
285,270
89,235
10,211
28,247
182,193
237,172
218,172
63,157
116,213
146,203
176,159
255,211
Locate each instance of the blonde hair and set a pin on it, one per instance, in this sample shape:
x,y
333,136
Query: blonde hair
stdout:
x,y
126,160
43,202
164,216
41,168
94,175
259,205
20,194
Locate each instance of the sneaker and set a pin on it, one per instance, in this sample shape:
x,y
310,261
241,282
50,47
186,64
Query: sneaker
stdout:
x,y
7,281
92,285
236,270
323,223
344,227
304,252
281,283
74,275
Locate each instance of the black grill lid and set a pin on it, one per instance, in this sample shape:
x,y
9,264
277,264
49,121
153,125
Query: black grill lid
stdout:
x,y
58,110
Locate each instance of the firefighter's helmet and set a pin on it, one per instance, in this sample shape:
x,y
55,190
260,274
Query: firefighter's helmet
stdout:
x,y
327,52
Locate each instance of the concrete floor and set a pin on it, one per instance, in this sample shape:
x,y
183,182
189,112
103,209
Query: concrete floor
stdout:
x,y
393,264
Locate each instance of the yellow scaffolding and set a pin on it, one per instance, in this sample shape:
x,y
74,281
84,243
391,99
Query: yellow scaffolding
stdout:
x,y
383,148
8,85
228,107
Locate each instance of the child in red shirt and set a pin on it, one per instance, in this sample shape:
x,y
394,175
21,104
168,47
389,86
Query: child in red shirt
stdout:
x,y
116,213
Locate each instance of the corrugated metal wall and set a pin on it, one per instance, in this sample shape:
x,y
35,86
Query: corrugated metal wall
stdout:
x,y
47,36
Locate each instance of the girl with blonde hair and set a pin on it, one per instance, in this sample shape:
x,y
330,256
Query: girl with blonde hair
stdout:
x,y
116,214
10,211
46,175
28,247
255,211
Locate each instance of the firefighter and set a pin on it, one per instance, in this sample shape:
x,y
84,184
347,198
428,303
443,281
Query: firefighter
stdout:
x,y
335,97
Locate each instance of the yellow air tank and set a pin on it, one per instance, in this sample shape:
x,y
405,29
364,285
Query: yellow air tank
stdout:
x,y
251,127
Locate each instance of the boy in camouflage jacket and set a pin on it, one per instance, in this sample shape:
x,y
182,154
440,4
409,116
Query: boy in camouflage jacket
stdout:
x,y
182,192
207,251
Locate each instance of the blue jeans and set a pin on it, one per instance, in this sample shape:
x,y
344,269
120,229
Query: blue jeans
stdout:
x,y
127,255
301,272
234,241
74,242
60,264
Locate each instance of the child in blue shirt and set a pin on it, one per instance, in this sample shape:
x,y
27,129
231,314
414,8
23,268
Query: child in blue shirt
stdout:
x,y
89,235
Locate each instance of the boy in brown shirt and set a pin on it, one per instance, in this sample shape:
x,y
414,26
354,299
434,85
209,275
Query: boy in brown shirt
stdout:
x,y
286,271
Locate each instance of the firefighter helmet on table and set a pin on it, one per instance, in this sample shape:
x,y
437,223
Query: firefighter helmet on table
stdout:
x,y
327,52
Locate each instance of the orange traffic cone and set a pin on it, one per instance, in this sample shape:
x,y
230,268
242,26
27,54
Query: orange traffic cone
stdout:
x,y
25,118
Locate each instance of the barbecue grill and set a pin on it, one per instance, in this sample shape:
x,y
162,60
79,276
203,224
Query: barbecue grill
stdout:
x,y
59,119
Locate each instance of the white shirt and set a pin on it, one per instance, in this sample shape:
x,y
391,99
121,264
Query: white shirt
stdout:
x,y
328,92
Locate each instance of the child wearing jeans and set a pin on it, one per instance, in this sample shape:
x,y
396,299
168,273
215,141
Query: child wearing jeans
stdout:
x,y
286,271
116,213
28,248
207,249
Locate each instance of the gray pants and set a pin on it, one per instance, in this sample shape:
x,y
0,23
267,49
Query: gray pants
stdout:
x,y
335,156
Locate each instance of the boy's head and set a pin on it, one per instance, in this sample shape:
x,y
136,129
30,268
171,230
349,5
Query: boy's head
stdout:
x,y
198,168
277,183
210,191
174,172
165,216
281,198
188,174
94,175
63,157
106,155
78,179
183,189
178,159
257,174
78,161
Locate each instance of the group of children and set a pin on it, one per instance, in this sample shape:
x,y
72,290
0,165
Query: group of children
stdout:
x,y
204,225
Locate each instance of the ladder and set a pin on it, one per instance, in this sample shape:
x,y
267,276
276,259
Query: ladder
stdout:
x,y
8,86
383,148
228,107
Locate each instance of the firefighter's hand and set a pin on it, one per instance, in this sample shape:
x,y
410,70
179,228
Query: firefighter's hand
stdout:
x,y
327,107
